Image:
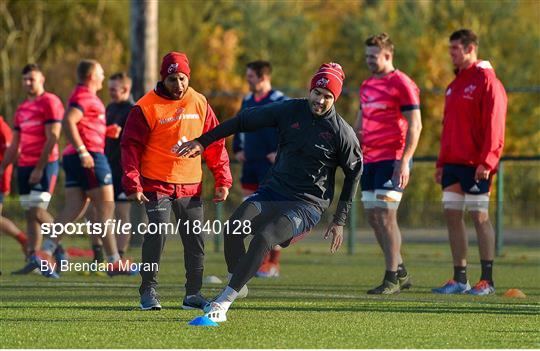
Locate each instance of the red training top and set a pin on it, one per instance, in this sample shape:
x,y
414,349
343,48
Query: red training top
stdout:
x,y
5,141
474,118
384,127
92,126
30,119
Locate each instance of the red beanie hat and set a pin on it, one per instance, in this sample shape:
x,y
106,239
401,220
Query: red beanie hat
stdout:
x,y
174,62
329,76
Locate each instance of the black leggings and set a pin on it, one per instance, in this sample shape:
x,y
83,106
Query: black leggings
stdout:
x,y
269,227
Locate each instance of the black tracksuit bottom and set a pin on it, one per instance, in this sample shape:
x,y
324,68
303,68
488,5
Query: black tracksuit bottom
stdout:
x,y
159,211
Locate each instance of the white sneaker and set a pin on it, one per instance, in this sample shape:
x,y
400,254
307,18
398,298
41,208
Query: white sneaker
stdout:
x,y
215,312
243,293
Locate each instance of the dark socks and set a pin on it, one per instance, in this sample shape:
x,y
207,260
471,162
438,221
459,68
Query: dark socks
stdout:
x,y
487,271
391,276
460,274
59,250
401,271
98,253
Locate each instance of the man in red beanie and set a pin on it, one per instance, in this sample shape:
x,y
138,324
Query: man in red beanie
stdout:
x,y
313,142
153,174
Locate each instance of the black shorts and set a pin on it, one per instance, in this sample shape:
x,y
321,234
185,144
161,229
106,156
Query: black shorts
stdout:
x,y
119,193
47,183
378,175
464,175
302,215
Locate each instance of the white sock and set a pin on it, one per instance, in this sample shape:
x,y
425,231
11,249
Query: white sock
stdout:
x,y
227,297
113,258
49,246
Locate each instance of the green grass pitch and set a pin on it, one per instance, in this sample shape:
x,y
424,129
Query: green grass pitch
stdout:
x,y
319,302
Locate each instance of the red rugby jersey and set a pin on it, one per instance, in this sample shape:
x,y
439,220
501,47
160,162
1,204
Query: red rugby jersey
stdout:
x,y
474,118
384,127
30,120
5,141
92,126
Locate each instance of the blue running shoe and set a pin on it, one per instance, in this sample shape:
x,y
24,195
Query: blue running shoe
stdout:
x,y
46,269
194,302
150,300
482,288
34,262
452,287
60,255
28,268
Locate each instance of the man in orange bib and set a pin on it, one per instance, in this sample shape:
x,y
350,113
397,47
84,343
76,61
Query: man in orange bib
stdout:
x,y
153,174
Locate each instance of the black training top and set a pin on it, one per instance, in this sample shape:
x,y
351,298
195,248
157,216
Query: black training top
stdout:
x,y
309,151
117,112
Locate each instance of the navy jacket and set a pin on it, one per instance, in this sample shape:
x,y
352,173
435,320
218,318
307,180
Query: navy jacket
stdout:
x,y
259,143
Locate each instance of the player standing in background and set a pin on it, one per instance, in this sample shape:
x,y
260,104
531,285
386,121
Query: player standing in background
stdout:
x,y
88,175
7,227
117,111
37,126
471,146
388,128
153,174
256,151
314,141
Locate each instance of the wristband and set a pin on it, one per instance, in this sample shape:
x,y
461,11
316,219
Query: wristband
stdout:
x,y
84,154
81,148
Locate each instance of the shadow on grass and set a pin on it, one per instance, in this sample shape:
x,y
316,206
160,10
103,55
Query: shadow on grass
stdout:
x,y
387,308
97,320
373,306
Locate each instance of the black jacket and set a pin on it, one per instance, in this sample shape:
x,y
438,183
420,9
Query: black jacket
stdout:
x,y
309,151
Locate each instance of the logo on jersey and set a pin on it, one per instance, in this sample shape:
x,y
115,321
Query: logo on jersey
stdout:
x,y
322,148
325,136
178,112
295,125
375,105
448,91
178,115
468,91
172,68
101,116
322,83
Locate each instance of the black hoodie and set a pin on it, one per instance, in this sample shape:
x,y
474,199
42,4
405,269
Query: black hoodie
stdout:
x,y
309,151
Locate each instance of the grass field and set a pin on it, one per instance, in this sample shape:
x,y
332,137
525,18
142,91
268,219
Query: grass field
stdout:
x,y
319,302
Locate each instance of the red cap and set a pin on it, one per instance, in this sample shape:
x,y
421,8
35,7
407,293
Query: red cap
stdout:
x,y
174,62
329,76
